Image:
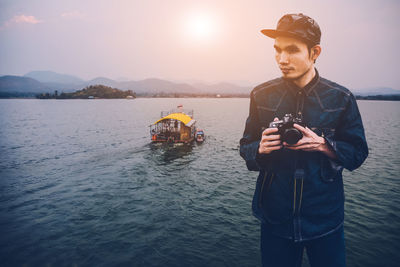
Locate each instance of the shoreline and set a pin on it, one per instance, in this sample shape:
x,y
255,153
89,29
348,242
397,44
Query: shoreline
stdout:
x,y
374,98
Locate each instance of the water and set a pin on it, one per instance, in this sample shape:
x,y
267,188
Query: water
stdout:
x,y
80,185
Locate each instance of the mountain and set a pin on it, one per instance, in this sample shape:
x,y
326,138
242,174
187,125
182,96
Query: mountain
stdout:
x,y
63,87
48,81
103,81
154,85
18,84
54,77
149,86
376,91
68,83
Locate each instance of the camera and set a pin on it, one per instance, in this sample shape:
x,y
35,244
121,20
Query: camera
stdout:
x,y
288,133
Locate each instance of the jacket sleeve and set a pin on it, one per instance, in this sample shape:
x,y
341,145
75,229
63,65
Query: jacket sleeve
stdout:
x,y
250,141
349,142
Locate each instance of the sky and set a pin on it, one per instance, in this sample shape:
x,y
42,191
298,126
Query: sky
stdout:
x,y
209,41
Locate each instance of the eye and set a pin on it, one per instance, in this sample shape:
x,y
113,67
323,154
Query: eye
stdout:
x,y
293,50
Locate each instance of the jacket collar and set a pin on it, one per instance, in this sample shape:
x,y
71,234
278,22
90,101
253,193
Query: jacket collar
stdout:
x,y
294,89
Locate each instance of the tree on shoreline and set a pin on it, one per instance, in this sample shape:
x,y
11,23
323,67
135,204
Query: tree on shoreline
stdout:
x,y
91,91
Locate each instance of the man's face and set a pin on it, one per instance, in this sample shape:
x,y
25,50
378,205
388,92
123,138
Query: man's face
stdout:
x,y
293,57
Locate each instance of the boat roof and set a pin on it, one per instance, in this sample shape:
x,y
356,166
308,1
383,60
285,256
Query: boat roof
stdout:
x,y
187,120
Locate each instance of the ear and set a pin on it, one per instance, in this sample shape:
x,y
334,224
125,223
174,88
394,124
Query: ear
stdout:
x,y
315,51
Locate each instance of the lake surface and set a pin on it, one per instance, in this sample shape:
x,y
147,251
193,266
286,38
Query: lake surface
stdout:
x,y
80,185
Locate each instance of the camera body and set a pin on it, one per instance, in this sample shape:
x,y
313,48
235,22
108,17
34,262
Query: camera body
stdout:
x,y
288,133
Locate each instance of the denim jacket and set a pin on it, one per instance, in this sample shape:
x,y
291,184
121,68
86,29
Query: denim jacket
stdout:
x,y
299,195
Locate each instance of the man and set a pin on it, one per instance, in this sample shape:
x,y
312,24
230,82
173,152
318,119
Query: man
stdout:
x,y
299,196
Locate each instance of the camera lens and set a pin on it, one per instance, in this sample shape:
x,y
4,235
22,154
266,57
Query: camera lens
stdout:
x,y
291,136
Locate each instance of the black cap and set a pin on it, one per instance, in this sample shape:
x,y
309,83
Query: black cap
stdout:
x,y
297,26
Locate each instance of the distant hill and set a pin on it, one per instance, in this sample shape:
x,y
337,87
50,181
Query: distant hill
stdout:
x,y
54,77
379,97
147,86
376,91
63,87
154,85
18,84
102,80
48,81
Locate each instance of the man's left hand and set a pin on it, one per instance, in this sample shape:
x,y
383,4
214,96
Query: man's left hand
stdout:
x,y
310,141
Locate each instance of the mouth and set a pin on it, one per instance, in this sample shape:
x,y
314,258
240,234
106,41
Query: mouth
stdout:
x,y
286,70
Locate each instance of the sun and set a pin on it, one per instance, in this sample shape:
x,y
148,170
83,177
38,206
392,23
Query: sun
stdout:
x,y
201,27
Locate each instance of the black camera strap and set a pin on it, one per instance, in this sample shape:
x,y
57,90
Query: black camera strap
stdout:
x,y
298,182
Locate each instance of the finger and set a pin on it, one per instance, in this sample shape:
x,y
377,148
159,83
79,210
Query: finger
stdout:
x,y
310,132
272,143
273,148
271,137
269,131
269,149
293,147
305,130
299,143
310,149
300,128
306,146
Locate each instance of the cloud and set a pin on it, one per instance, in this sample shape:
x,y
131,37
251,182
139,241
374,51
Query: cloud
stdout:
x,y
25,19
73,14
18,19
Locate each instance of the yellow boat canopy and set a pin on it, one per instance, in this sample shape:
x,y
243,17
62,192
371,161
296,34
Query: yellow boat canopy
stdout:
x,y
187,120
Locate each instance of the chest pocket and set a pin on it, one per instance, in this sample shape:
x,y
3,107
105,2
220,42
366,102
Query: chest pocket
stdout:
x,y
267,107
331,102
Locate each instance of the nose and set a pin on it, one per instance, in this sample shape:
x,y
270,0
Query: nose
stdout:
x,y
283,58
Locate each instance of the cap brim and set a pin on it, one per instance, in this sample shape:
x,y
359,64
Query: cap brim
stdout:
x,y
276,33
271,33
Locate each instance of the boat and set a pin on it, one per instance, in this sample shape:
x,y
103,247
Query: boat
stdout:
x,y
175,126
199,136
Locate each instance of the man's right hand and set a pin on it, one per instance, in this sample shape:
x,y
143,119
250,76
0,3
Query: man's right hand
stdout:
x,y
269,141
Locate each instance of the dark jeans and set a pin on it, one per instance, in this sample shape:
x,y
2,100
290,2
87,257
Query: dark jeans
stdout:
x,y
328,250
